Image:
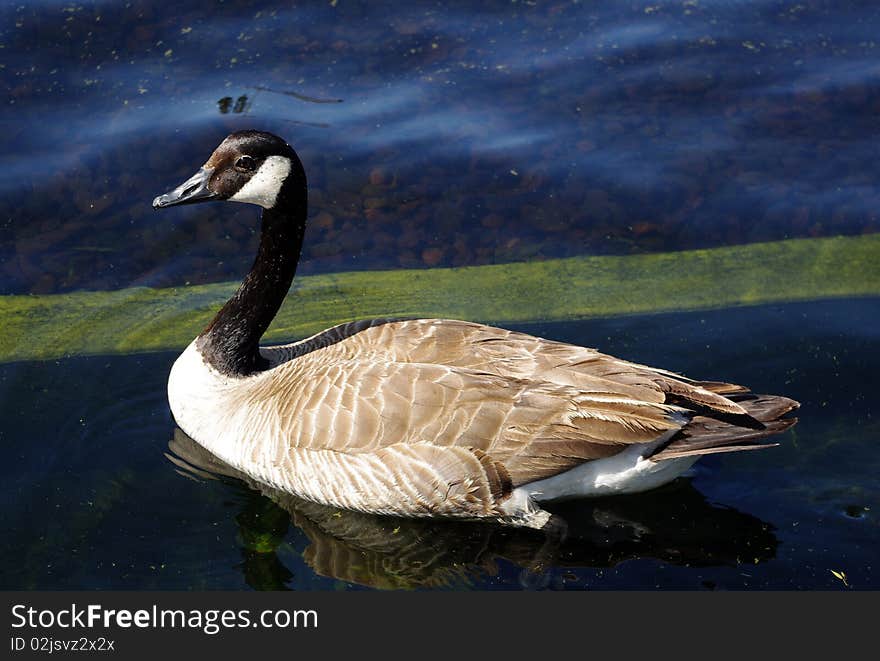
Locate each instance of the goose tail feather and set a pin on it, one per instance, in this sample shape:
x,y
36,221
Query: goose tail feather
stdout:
x,y
710,435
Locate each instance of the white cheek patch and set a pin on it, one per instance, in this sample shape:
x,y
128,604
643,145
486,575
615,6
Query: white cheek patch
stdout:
x,y
263,187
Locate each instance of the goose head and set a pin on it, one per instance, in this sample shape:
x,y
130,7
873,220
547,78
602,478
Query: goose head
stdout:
x,y
258,168
255,167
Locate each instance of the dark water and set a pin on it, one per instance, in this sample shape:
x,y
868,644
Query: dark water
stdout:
x,y
441,134
465,133
91,501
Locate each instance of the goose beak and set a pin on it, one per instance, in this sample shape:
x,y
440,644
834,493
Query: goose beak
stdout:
x,y
195,189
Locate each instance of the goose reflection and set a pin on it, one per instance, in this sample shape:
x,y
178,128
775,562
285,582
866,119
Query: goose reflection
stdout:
x,y
674,524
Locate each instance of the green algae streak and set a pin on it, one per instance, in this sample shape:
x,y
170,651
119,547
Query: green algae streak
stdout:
x,y
141,319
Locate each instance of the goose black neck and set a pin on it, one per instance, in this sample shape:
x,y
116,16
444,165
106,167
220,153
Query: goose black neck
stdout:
x,y
230,343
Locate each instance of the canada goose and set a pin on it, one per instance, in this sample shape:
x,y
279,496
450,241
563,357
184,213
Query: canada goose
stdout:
x,y
426,417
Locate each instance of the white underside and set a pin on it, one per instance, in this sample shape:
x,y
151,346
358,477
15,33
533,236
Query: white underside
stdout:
x,y
626,472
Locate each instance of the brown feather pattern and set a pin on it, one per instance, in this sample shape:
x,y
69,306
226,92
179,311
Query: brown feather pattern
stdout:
x,y
434,417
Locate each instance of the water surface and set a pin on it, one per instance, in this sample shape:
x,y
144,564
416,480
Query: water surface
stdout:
x,y
92,500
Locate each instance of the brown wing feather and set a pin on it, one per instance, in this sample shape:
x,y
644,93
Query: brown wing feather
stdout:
x,y
508,353
532,429
533,407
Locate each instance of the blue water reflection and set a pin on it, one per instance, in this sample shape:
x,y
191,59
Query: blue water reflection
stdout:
x,y
623,128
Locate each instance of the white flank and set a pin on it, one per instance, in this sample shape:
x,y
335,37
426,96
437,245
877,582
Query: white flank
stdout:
x,y
626,472
263,187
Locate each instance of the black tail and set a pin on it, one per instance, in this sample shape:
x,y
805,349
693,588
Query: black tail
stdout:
x,y
708,435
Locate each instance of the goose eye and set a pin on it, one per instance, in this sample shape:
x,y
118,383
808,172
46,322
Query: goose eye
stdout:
x,y
246,163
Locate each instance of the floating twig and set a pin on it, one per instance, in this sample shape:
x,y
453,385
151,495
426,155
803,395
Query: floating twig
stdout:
x,y
297,95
